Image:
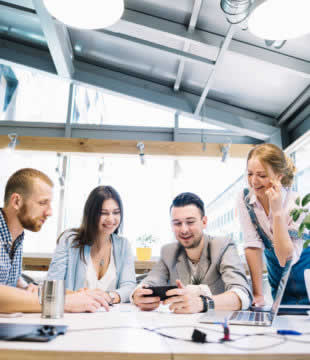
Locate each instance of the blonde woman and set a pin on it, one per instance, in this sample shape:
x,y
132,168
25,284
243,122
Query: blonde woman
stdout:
x,y
264,212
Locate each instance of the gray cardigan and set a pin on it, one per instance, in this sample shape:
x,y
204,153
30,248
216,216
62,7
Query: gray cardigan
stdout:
x,y
67,265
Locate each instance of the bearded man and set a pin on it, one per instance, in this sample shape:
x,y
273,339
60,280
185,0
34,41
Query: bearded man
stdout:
x,y
207,270
27,205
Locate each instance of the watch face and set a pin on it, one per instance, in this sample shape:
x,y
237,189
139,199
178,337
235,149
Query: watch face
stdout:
x,y
210,303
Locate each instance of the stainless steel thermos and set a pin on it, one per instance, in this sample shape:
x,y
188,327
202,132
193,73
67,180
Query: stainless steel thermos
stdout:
x,y
52,298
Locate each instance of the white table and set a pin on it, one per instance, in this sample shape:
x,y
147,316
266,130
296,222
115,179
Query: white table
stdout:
x,y
108,340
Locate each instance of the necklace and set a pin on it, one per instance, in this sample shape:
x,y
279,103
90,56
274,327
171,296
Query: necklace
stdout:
x,y
102,261
105,255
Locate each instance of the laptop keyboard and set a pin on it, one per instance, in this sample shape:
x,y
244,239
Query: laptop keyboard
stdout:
x,y
250,316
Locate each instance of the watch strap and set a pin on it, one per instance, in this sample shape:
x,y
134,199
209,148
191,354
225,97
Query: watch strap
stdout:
x,y
205,303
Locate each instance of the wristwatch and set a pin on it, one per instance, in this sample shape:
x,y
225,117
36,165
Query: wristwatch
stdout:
x,y
208,303
112,295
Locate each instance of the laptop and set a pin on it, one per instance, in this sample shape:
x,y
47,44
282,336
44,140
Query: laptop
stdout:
x,y
294,310
249,317
298,309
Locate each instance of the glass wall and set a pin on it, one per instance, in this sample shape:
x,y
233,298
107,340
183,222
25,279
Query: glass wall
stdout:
x,y
91,106
303,169
146,190
37,98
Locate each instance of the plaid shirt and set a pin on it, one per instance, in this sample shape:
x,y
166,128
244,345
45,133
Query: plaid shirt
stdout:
x,y
10,256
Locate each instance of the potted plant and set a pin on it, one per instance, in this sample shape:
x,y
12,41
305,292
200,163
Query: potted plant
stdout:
x,y
144,245
295,213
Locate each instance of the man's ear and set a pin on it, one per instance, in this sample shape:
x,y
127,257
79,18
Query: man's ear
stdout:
x,y
204,221
16,201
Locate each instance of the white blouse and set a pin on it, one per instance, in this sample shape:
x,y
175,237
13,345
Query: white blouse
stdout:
x,y
251,237
108,280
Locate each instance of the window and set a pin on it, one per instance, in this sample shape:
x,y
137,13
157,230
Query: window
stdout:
x,y
38,98
92,106
302,179
146,190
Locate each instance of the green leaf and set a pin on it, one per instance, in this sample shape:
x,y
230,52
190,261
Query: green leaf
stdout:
x,y
306,243
301,229
305,200
293,212
297,201
306,220
296,214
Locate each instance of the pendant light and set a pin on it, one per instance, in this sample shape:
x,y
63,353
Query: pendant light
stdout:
x,y
91,14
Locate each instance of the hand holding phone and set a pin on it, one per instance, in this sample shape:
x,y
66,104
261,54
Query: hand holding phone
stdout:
x,y
160,291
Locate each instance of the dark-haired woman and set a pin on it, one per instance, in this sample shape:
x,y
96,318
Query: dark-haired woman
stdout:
x,y
264,213
95,256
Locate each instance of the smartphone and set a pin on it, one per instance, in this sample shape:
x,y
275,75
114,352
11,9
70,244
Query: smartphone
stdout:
x,y
160,291
11,315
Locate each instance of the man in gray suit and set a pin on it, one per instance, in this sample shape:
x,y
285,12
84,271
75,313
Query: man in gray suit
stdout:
x,y
206,269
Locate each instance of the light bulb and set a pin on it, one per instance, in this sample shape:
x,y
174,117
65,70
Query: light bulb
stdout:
x,y
280,19
92,14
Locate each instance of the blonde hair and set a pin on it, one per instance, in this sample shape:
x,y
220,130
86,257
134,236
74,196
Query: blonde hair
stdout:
x,y
21,182
272,155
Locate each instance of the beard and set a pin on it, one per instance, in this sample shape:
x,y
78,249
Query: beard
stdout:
x,y
196,242
28,222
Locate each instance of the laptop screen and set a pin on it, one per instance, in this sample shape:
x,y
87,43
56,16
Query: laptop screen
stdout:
x,y
282,285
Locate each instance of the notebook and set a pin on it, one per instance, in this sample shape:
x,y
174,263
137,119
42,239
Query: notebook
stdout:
x,y
249,317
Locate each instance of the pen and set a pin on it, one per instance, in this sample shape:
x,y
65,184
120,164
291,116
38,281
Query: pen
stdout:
x,y
288,332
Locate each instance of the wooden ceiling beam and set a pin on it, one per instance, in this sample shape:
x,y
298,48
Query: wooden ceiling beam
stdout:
x,y
165,148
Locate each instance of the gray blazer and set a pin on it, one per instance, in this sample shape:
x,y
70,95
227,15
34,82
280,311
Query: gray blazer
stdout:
x,y
220,263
